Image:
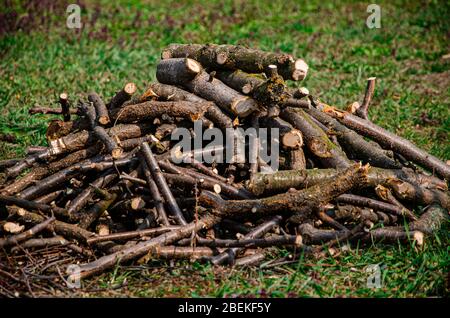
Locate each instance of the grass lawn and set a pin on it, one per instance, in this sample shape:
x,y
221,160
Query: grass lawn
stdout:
x,y
40,58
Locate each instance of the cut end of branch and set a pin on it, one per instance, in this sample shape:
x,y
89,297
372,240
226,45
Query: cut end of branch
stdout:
x,y
103,120
63,96
419,238
130,88
272,71
116,153
221,58
300,70
166,54
292,139
301,92
244,106
193,66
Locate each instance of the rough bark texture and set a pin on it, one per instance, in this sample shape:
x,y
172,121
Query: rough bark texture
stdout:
x,y
84,139
177,70
40,172
289,136
298,201
316,139
162,184
390,141
15,239
354,144
238,57
82,199
145,247
152,109
225,97
172,93
122,96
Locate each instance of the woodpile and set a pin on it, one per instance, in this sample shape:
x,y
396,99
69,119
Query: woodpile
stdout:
x,y
108,188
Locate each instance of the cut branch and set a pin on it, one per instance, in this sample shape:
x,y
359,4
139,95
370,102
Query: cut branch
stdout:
x,y
122,96
316,139
363,110
100,109
177,70
15,239
238,57
63,100
390,141
162,184
146,247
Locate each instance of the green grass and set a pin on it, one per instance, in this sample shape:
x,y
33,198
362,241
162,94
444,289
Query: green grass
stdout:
x,y
121,42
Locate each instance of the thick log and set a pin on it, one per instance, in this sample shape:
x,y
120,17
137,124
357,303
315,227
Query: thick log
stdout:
x,y
82,139
362,111
238,57
313,236
181,252
289,136
416,194
96,210
431,221
57,128
250,260
241,81
353,213
177,70
302,201
225,97
272,91
296,159
283,180
42,242
153,109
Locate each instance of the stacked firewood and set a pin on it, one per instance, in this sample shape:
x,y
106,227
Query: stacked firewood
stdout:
x,y
108,187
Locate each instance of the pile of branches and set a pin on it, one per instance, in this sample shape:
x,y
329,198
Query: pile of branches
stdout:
x,y
108,188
